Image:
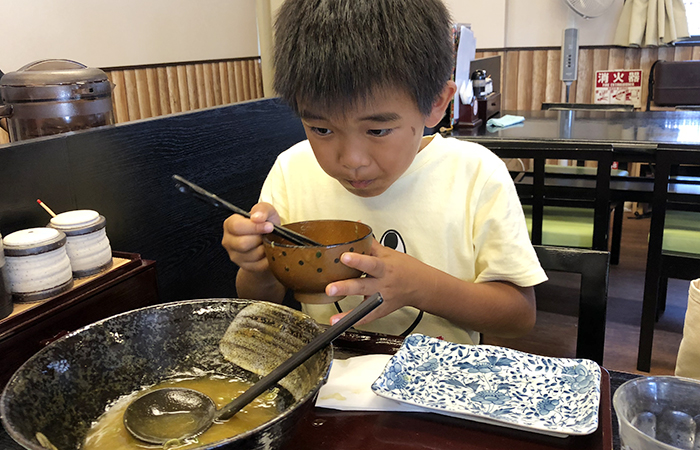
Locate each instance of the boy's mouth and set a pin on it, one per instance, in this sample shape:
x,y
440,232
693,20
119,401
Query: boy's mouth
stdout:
x,y
359,184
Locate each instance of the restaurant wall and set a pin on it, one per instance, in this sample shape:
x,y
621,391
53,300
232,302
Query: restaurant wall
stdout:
x,y
176,55
126,32
501,24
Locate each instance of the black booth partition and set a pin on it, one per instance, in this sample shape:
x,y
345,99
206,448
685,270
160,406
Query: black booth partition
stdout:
x,y
124,172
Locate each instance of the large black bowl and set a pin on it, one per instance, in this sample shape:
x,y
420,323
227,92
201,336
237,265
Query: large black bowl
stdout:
x,y
62,389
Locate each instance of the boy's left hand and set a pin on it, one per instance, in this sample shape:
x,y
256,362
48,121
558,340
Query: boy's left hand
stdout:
x,y
397,276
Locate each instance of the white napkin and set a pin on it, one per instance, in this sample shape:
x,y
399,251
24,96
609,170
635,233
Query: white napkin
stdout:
x,y
466,92
349,386
688,360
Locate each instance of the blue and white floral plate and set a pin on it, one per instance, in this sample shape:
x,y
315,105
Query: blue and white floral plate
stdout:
x,y
496,385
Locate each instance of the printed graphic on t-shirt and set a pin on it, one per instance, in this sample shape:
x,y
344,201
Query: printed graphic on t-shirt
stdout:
x,y
392,239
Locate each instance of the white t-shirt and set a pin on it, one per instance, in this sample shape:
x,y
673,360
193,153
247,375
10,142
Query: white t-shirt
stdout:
x,y
455,209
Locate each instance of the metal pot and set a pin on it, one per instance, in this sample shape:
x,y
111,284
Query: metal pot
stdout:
x,y
63,388
54,96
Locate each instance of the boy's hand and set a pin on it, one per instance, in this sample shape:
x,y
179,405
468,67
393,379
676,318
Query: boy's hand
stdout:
x,y
396,275
242,237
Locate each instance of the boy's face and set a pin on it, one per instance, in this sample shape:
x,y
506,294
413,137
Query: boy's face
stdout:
x,y
369,147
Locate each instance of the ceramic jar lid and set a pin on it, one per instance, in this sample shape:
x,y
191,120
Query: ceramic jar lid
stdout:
x,y
33,241
81,221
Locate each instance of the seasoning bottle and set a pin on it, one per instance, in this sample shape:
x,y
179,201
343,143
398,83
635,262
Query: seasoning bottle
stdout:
x,y
37,264
87,244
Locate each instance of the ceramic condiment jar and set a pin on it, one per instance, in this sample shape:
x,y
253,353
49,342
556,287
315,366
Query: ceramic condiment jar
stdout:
x,y
37,264
87,243
5,297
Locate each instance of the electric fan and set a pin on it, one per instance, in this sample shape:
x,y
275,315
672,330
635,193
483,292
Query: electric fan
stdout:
x,y
589,9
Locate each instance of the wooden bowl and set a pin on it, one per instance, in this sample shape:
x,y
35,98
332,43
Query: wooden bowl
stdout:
x,y
308,270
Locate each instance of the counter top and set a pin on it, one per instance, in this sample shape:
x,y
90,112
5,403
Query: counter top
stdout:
x,y
636,129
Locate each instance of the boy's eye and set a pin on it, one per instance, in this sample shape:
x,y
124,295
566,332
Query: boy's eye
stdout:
x,y
321,131
380,132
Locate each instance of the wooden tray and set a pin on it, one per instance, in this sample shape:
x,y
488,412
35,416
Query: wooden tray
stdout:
x,y
23,313
338,430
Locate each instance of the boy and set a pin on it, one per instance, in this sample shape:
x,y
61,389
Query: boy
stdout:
x,y
366,77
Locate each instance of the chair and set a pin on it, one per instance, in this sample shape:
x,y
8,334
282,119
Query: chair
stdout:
x,y
594,268
566,209
573,226
674,238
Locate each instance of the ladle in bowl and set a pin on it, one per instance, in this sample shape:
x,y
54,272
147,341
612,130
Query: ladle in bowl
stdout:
x,y
175,413
190,188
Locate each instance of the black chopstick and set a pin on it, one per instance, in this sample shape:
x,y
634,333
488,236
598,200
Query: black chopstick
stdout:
x,y
187,187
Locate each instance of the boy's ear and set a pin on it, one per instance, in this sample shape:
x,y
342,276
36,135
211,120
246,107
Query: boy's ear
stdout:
x,y
440,105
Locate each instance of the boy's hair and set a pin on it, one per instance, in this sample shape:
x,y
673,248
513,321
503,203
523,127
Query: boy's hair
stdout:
x,y
335,53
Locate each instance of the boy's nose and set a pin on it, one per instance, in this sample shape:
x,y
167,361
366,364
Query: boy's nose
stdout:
x,y
353,156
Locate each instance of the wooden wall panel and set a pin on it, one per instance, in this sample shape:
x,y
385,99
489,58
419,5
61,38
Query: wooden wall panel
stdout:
x,y
144,92
585,82
539,78
525,80
183,89
173,89
552,83
530,77
509,84
132,95
647,58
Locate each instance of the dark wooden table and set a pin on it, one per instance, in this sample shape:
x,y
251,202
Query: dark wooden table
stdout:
x,y
632,134
339,430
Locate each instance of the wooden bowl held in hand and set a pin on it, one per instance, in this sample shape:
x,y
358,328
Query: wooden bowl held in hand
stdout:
x,y
308,270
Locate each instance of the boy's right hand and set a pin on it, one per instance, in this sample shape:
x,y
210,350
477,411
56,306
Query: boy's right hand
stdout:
x,y
243,237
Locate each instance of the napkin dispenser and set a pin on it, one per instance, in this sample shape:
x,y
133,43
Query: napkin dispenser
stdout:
x,y
468,107
469,114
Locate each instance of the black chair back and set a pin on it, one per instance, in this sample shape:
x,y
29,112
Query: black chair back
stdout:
x,y
594,268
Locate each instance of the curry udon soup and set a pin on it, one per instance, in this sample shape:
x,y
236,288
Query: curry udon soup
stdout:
x,y
108,431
